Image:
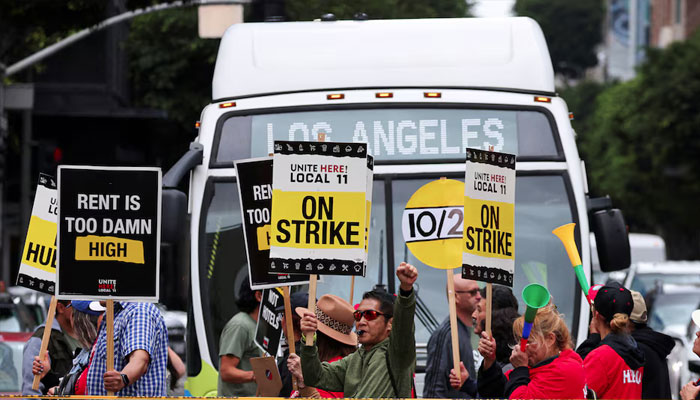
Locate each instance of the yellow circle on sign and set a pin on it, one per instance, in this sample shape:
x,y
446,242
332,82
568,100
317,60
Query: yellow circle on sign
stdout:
x,y
433,221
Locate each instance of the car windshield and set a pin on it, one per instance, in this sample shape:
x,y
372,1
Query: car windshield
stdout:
x,y
543,202
643,283
673,310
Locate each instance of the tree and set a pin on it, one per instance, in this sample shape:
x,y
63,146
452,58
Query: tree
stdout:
x,y
170,67
573,29
643,147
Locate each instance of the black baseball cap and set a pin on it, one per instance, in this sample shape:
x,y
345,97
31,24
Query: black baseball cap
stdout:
x,y
612,299
297,299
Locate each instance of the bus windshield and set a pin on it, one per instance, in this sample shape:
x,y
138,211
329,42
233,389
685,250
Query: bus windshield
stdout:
x,y
543,202
395,134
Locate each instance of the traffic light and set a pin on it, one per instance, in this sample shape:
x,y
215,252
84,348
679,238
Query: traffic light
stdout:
x,y
49,156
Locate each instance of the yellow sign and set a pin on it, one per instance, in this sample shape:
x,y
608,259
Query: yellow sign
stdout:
x,y
489,217
108,248
312,220
489,228
40,249
432,223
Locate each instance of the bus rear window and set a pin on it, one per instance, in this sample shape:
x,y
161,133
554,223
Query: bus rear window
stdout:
x,y
395,134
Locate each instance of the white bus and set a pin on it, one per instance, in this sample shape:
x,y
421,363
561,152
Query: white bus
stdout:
x,y
418,92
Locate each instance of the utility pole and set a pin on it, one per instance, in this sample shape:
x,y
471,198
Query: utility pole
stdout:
x,y
3,154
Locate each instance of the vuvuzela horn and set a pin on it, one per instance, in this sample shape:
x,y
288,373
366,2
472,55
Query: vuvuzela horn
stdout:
x,y
565,233
535,296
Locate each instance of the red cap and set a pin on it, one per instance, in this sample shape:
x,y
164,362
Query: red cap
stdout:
x,y
592,292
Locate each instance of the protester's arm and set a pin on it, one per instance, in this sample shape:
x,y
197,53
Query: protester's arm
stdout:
x,y
228,368
690,391
134,370
175,365
326,376
491,381
519,378
402,339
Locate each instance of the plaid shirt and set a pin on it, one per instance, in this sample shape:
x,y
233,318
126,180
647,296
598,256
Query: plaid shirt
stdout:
x,y
137,326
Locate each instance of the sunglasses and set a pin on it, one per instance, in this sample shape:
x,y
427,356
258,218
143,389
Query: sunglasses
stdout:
x,y
471,292
370,315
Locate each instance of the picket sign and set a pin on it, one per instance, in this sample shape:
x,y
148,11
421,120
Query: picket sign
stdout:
x,y
439,204
37,270
313,278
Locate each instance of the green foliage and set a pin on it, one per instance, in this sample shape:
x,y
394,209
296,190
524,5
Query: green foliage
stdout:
x,y
643,146
581,100
307,10
573,29
170,67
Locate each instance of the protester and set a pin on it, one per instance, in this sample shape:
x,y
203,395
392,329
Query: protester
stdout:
x,y
439,364
334,338
548,369
504,310
86,317
140,353
691,390
62,344
237,346
615,368
297,299
656,347
384,365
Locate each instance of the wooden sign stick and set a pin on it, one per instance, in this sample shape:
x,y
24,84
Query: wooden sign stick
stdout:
x,y
110,338
290,328
453,321
352,288
45,338
489,296
313,278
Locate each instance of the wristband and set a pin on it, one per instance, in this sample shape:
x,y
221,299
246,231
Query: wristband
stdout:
x,y
125,379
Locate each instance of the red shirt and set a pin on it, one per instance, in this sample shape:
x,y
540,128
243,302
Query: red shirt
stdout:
x,y
610,377
331,395
563,378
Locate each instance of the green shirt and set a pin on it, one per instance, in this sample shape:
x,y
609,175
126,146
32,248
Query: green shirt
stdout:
x,y
364,374
237,339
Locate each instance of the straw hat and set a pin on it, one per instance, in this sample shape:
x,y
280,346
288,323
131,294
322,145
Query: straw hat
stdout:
x,y
335,318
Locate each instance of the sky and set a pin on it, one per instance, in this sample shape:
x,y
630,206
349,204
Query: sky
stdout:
x,y
493,8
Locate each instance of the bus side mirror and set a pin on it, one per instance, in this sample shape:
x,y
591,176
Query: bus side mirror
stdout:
x,y
174,215
611,239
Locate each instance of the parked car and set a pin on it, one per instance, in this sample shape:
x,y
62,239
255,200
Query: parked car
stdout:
x,y
17,323
37,302
670,307
644,247
644,277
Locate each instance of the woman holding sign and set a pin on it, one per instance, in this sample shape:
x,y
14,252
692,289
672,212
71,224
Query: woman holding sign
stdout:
x,y
548,368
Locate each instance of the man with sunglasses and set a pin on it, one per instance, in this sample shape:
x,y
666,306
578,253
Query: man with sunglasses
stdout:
x,y
383,367
439,364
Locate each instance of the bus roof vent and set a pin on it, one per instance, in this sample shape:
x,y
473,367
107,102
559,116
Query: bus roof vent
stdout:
x,y
259,58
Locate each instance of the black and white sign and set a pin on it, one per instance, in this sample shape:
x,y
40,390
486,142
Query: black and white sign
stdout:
x,y
489,217
37,268
255,191
108,233
268,331
319,208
